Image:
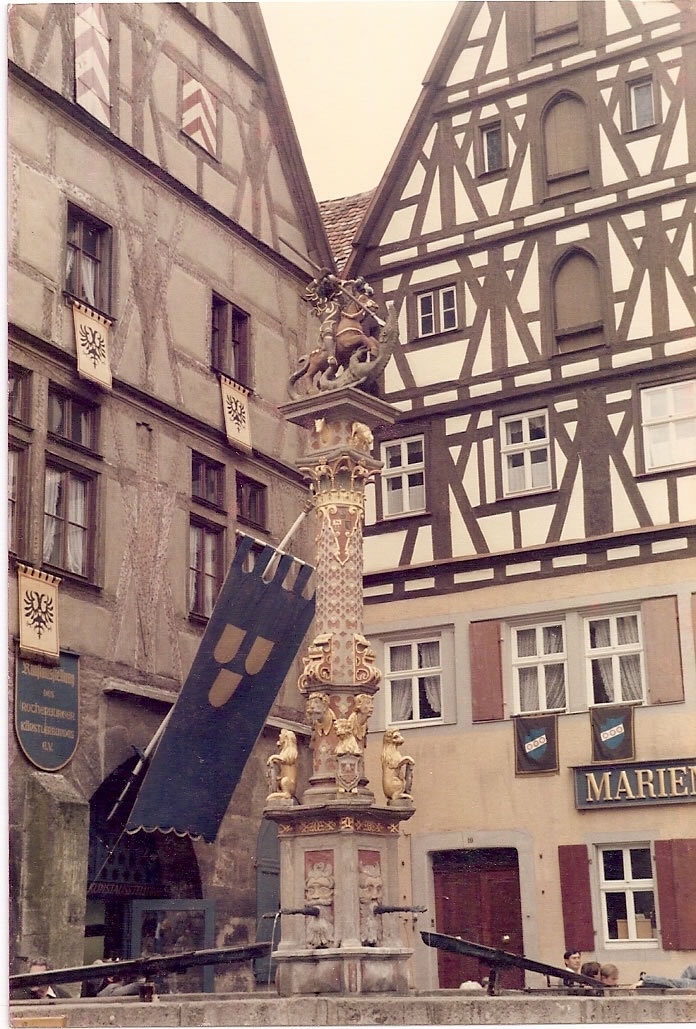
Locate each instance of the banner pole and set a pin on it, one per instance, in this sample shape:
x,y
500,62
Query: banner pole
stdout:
x,y
141,762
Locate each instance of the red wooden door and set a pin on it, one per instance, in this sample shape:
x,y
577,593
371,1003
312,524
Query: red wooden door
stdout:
x,y
477,897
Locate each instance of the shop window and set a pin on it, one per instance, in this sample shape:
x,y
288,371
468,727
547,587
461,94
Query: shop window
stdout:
x,y
566,145
539,667
205,567
614,654
577,305
627,893
437,311
88,259
669,424
69,519
641,104
525,452
403,477
207,480
251,501
414,681
230,340
555,24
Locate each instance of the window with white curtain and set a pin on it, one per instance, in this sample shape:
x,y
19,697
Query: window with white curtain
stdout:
x,y
539,667
403,477
413,680
68,528
526,453
642,106
87,259
669,424
614,654
205,567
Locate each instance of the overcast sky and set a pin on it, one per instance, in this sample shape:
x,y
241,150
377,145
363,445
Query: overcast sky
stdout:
x,y
352,72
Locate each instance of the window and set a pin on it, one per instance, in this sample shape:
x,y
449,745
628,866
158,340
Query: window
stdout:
x,y
414,681
72,419
539,668
437,311
627,893
492,147
207,479
230,340
15,460
68,535
251,501
669,424
555,24
17,393
615,658
205,567
403,477
566,146
88,258
577,305
525,453
642,108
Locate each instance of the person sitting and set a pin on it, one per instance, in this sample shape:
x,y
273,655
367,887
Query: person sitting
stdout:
x,y
590,969
42,992
609,975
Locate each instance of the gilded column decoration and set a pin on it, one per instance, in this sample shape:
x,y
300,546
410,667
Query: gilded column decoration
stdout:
x,y
397,768
348,757
365,670
282,769
317,664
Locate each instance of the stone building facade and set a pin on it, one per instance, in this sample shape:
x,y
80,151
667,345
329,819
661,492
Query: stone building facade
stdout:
x,y
155,314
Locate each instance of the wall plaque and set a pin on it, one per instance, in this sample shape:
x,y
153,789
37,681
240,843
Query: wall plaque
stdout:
x,y
47,711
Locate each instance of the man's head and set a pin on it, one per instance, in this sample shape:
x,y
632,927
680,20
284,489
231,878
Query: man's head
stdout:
x,y
572,960
609,975
39,965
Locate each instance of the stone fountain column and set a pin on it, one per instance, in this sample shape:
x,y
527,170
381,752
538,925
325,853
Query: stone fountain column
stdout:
x,y
338,847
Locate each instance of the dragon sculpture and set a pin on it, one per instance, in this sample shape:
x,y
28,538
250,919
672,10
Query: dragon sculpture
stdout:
x,y
346,355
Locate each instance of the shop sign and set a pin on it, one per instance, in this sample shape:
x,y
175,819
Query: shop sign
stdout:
x,y
47,711
636,784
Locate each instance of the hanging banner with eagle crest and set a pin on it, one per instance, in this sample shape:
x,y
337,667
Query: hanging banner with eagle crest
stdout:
x,y
252,637
92,344
235,404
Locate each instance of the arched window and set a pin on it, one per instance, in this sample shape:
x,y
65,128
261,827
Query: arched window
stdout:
x,y
577,307
566,146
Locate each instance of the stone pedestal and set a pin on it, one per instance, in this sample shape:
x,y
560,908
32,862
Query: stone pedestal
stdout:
x,y
338,847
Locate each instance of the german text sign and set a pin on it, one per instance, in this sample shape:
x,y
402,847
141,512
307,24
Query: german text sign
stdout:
x,y
636,784
47,711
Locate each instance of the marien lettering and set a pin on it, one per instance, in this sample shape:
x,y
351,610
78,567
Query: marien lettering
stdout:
x,y
642,784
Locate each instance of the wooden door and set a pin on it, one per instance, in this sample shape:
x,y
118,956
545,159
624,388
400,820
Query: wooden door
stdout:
x,y
477,897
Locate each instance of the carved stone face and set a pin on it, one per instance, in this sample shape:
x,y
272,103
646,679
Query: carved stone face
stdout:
x,y
365,704
370,885
319,887
316,707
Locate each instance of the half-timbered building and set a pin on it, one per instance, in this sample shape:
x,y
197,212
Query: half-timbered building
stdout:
x,y
155,315
529,553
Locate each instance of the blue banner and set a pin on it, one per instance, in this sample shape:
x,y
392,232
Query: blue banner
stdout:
x,y
254,633
536,743
612,732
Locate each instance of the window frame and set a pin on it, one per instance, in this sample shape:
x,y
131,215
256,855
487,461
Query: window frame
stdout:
x,y
72,405
230,356
572,179
437,295
614,651
525,447
18,402
629,886
539,661
401,471
249,493
577,337
16,508
70,473
484,169
214,497
102,259
630,121
194,595
413,673
670,420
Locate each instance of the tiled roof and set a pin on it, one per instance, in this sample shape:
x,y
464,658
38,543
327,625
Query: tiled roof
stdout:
x,y
341,220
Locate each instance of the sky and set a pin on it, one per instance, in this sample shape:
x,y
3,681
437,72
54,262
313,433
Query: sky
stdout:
x,y
352,72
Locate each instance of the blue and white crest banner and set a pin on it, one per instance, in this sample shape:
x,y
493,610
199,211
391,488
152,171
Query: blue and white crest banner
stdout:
x,y
536,744
612,732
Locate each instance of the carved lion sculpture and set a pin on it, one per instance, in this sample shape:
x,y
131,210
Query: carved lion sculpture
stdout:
x,y
397,768
282,767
